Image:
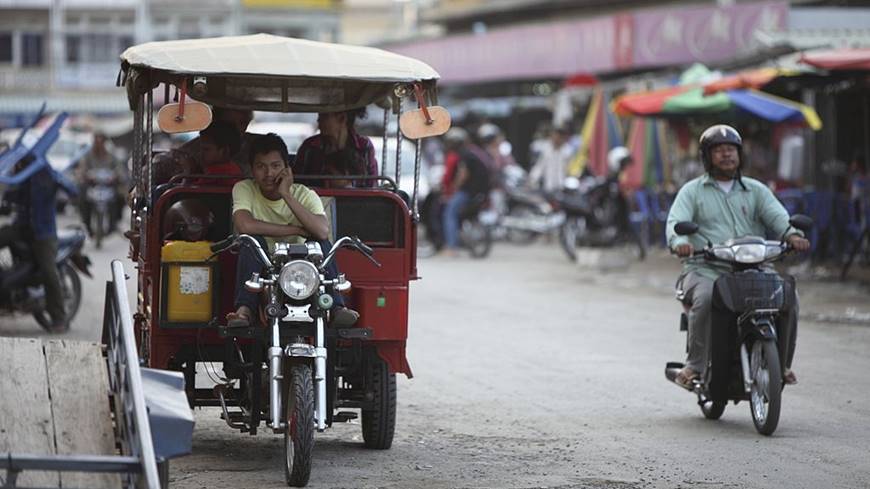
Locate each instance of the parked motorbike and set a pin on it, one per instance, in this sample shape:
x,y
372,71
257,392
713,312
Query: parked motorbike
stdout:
x,y
21,289
296,387
596,214
101,197
477,224
527,213
747,359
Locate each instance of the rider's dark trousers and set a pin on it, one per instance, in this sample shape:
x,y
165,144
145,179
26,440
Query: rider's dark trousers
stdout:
x,y
248,264
45,257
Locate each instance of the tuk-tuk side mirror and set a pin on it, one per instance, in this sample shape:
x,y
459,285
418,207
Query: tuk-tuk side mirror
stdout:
x,y
184,117
415,125
685,228
802,222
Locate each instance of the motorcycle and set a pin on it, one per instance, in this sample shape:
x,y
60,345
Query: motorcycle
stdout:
x,y
21,289
298,388
596,214
101,196
477,222
747,358
527,213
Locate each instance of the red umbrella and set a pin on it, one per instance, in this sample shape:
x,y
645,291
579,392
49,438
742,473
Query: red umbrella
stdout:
x,y
839,59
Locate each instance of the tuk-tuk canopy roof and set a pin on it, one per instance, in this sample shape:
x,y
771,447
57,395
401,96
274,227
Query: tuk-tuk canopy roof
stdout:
x,y
267,72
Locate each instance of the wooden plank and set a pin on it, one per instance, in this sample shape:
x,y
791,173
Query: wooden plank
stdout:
x,y
79,388
25,409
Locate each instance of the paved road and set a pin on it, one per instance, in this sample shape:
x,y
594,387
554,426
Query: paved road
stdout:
x,y
530,372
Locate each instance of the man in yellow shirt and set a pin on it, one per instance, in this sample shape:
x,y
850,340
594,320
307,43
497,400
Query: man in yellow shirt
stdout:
x,y
271,207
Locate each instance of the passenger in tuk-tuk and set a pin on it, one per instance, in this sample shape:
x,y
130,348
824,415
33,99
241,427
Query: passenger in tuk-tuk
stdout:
x,y
239,120
337,150
217,144
269,206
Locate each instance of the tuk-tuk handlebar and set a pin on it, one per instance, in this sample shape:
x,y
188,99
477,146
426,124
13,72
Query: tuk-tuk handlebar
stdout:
x,y
232,241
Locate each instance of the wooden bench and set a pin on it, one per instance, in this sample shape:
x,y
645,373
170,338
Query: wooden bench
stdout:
x,y
54,400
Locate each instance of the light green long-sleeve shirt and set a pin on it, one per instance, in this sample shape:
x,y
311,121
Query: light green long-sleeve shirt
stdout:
x,y
753,211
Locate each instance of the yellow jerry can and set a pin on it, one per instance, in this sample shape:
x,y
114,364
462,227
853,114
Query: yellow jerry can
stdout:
x,y
187,281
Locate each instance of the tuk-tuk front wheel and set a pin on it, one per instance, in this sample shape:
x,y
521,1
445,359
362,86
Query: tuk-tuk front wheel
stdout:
x,y
299,432
379,422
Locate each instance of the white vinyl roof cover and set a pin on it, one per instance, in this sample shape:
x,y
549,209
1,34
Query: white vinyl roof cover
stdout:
x,y
267,72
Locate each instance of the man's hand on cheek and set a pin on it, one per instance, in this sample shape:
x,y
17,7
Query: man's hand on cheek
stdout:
x,y
285,181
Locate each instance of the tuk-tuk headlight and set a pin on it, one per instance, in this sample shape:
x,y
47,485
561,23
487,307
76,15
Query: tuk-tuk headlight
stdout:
x,y
299,279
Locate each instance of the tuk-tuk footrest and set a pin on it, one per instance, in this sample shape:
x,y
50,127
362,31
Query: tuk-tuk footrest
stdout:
x,y
344,416
353,333
240,332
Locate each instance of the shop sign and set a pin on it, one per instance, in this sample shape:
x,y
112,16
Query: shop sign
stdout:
x,y
703,34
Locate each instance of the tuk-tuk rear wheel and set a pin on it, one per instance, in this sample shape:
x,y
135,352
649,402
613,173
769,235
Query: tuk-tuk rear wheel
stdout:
x,y
379,423
299,432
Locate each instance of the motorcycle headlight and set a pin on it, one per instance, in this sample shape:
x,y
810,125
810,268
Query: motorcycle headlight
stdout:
x,y
299,279
772,250
723,253
749,253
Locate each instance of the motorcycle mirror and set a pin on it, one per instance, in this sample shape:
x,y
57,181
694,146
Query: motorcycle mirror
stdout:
x,y
802,222
685,228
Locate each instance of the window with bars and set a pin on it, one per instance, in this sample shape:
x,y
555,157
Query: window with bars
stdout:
x,y
32,49
5,47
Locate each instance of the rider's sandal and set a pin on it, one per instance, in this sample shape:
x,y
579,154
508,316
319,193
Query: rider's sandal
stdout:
x,y
789,378
685,380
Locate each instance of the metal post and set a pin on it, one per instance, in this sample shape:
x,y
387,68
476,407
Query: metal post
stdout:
x,y
398,143
148,141
137,144
384,158
418,145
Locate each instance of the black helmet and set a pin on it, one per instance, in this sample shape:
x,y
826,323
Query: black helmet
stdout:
x,y
715,135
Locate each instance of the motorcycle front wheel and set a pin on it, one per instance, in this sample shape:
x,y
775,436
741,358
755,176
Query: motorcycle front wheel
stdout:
x,y
299,431
569,232
765,395
71,291
713,409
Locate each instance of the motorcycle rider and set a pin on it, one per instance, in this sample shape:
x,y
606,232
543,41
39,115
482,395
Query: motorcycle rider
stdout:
x,y
471,179
725,205
100,157
35,223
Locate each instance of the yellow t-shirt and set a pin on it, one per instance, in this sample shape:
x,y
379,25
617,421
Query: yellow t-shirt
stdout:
x,y
247,196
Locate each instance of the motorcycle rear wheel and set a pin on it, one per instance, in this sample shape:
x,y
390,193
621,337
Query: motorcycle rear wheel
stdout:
x,y
765,396
71,289
477,238
299,431
379,423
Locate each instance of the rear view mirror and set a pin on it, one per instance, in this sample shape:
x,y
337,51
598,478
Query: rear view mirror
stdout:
x,y
187,116
685,228
802,222
416,125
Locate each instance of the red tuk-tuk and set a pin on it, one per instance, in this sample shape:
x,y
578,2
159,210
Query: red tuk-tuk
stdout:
x,y
289,369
